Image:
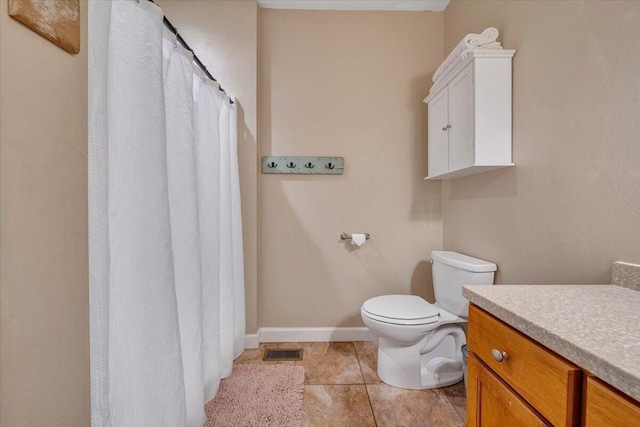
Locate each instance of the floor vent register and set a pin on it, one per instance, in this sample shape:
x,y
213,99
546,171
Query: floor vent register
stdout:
x,y
280,354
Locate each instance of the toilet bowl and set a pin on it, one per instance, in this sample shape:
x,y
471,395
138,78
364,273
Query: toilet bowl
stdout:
x,y
419,344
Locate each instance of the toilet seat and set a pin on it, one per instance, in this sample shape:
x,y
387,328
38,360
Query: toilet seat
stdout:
x,y
401,310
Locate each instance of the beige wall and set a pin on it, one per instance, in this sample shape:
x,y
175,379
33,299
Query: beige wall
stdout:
x,y
337,84
44,332
44,280
223,34
345,84
571,206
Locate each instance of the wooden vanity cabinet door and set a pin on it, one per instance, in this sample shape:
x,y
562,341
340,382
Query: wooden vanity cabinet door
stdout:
x,y
491,402
604,406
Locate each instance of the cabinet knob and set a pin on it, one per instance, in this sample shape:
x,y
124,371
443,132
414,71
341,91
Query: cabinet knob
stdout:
x,y
499,355
448,126
444,128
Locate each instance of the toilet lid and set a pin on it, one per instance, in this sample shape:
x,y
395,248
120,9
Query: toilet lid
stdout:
x,y
401,309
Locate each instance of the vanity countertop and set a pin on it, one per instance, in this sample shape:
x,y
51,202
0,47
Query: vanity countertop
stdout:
x,y
597,327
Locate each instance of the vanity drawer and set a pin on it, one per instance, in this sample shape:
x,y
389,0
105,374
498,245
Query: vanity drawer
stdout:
x,y
542,378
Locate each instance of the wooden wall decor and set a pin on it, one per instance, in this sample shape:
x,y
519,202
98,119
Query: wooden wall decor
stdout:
x,y
56,20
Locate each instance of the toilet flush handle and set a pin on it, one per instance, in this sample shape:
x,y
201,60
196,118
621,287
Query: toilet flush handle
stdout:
x,y
499,355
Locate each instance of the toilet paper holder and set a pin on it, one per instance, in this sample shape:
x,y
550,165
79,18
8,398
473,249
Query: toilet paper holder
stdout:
x,y
345,236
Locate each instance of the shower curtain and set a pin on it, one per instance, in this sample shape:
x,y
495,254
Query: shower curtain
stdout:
x,y
165,236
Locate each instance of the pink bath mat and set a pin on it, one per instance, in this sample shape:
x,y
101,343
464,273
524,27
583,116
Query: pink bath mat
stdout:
x,y
258,395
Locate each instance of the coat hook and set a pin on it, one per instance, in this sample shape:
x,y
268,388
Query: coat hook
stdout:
x,y
272,165
330,166
309,165
291,165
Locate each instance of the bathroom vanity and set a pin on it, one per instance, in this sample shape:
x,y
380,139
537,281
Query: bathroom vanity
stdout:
x,y
561,355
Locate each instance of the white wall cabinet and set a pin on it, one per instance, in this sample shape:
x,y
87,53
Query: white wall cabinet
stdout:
x,y
470,117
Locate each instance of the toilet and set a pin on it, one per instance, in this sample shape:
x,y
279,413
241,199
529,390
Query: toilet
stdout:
x,y
419,344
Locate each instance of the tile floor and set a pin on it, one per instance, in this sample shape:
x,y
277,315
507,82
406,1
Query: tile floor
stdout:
x,y
342,389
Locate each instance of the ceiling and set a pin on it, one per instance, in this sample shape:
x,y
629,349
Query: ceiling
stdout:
x,y
431,5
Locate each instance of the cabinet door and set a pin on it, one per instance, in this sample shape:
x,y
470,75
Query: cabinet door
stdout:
x,y
491,402
437,144
461,132
605,406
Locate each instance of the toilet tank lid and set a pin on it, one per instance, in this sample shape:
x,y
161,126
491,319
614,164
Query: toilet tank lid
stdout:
x,y
464,262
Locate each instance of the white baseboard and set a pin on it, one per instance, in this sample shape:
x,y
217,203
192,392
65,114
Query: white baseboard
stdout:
x,y
252,340
315,334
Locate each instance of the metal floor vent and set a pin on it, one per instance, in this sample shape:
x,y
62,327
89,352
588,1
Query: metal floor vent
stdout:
x,y
282,354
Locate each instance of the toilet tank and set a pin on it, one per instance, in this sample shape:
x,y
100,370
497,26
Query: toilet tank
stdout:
x,y
451,271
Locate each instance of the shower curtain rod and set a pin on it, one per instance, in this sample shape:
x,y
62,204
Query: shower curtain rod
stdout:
x,y
199,63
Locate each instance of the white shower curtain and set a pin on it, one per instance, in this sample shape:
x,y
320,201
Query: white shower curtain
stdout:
x,y
165,234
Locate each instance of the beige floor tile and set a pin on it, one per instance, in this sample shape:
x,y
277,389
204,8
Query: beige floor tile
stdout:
x,y
394,407
336,405
368,357
332,363
335,395
458,398
324,363
250,356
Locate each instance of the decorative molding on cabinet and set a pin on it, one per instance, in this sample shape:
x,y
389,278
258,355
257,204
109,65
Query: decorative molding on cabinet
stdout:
x,y
505,53
471,170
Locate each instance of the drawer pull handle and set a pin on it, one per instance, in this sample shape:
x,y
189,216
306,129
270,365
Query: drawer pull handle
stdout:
x,y
499,355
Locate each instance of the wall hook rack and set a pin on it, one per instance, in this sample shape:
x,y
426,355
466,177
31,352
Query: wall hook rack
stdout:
x,y
303,165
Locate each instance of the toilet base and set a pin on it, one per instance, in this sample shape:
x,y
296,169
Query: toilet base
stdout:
x,y
435,361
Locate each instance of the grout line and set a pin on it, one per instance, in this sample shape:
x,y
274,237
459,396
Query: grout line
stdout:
x,y
450,401
366,389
